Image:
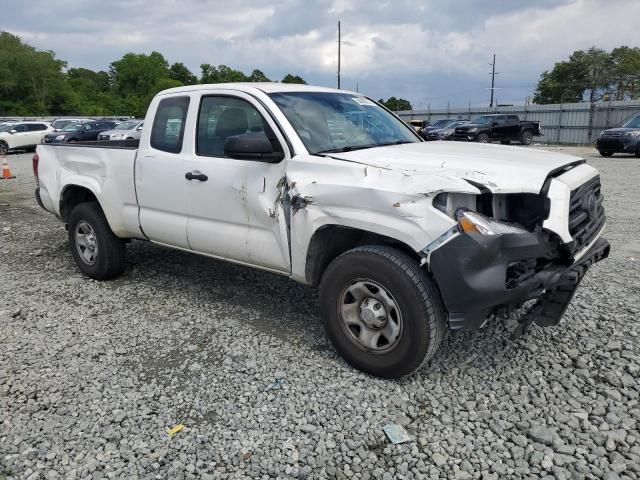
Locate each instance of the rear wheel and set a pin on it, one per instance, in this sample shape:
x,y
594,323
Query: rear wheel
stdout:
x,y
483,138
4,148
381,311
638,152
526,137
606,154
98,252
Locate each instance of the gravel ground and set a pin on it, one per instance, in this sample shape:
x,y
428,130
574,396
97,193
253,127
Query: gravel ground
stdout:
x,y
93,374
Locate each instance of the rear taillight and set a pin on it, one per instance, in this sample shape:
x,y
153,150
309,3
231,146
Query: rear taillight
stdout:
x,y
35,160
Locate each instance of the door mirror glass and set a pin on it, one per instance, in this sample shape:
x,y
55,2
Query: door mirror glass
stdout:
x,y
13,131
251,146
139,128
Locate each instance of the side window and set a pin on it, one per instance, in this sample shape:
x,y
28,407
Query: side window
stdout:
x,y
20,128
223,117
500,120
168,125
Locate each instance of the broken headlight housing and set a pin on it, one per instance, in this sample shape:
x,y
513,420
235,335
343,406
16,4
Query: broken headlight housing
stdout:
x,y
519,210
474,222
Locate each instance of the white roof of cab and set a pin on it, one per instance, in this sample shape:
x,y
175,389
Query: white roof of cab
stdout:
x,y
266,87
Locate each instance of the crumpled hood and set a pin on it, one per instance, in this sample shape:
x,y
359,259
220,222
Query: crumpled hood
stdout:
x,y
502,169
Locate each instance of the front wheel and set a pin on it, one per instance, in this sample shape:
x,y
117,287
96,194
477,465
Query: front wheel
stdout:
x,y
526,137
483,138
98,252
4,148
381,311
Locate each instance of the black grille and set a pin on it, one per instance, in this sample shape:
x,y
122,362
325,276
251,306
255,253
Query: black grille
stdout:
x,y
611,144
586,214
612,134
103,137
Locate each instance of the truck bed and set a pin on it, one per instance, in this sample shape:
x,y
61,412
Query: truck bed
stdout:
x,y
104,168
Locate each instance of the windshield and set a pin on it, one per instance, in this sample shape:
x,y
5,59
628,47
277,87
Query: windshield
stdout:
x,y
5,128
633,123
338,122
483,119
130,125
72,127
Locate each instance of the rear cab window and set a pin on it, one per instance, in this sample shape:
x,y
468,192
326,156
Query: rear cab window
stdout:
x,y
167,132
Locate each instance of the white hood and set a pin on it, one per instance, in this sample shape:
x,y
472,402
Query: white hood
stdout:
x,y
502,169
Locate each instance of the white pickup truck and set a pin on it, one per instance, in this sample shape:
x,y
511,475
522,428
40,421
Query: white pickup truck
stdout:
x,y
403,238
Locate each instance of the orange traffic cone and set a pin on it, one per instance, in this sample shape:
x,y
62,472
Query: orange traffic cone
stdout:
x,y
6,173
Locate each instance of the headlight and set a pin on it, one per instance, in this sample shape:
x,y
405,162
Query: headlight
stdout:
x,y
632,134
449,203
60,137
117,136
444,133
474,129
601,134
473,222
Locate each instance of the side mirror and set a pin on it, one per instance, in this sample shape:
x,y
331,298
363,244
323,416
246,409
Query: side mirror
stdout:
x,y
139,128
12,131
252,146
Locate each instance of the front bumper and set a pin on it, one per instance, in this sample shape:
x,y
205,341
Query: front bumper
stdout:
x,y
620,144
479,275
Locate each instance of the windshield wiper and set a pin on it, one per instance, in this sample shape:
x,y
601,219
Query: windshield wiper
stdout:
x,y
351,148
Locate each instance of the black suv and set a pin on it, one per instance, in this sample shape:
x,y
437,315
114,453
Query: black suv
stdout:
x,y
78,132
624,139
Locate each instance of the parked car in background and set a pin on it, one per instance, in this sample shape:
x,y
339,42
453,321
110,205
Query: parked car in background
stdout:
x,y
22,135
78,132
498,127
437,125
623,139
418,125
404,238
127,130
443,133
60,123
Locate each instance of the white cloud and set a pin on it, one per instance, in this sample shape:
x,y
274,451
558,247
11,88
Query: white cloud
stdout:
x,y
392,46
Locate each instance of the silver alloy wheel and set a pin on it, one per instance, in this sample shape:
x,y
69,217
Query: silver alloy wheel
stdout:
x,y
370,316
483,138
526,138
86,243
4,149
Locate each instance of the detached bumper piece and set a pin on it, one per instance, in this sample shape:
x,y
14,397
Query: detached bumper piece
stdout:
x,y
479,275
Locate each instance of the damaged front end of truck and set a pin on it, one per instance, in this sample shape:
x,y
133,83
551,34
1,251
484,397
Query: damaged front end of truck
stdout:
x,y
508,250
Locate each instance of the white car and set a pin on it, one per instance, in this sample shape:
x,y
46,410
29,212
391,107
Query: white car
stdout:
x,y
403,238
126,130
22,135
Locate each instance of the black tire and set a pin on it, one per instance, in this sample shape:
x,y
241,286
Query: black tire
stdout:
x,y
483,138
606,154
110,259
526,137
422,314
4,148
638,152
505,142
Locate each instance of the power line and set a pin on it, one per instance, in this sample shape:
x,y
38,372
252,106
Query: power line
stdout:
x,y
339,45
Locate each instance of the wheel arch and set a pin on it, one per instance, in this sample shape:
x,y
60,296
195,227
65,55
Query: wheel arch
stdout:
x,y
72,195
332,240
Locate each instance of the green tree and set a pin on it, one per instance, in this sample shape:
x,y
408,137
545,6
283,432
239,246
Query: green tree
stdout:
x,y
396,104
30,80
137,73
258,76
289,78
593,74
179,72
220,74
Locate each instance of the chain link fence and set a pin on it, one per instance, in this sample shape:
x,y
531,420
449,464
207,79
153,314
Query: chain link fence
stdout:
x,y
568,123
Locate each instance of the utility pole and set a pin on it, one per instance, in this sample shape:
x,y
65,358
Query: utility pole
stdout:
x,y
339,45
493,79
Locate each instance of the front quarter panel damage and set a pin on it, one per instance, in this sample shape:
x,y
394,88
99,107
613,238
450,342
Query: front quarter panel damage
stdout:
x,y
395,204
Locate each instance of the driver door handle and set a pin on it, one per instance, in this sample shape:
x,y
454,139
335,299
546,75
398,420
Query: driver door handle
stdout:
x,y
196,175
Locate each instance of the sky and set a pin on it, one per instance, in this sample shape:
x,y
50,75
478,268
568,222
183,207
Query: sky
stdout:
x,y
431,52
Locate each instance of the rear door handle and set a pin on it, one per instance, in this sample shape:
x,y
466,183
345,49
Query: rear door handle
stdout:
x,y
196,175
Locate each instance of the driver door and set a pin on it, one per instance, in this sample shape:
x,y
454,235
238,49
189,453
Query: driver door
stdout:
x,y
234,205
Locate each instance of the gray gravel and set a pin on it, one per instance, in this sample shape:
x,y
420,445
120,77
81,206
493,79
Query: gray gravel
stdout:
x,y
93,374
